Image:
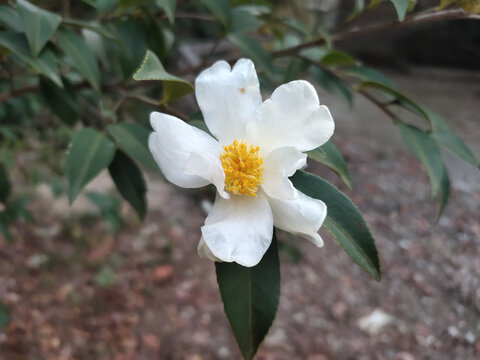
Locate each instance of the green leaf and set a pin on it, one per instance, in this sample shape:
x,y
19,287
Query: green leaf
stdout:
x,y
329,155
134,38
244,21
253,49
168,6
89,154
220,8
4,316
344,221
62,102
402,7
250,298
444,190
152,69
82,57
443,135
427,151
367,74
39,24
5,186
333,84
441,132
9,17
129,181
338,58
397,96
357,10
133,140
44,64
295,69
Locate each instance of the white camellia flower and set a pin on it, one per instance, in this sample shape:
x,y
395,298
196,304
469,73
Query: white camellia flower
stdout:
x,y
256,147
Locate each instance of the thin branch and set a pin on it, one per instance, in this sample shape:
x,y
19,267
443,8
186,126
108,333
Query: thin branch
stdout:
x,y
147,100
114,86
415,19
383,107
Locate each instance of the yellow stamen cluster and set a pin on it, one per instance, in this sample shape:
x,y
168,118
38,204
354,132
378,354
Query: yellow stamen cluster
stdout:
x,y
243,168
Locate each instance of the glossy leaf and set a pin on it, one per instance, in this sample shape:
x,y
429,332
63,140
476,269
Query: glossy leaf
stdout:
x,y
344,221
333,84
443,135
129,182
62,102
133,140
368,74
44,64
152,69
39,24
169,7
329,155
427,151
9,17
338,58
81,55
250,298
90,152
134,37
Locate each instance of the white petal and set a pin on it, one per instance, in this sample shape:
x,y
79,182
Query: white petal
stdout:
x,y
204,252
292,116
239,229
228,98
208,166
302,216
280,164
175,145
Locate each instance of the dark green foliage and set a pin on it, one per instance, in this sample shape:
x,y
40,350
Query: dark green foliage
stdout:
x,y
129,181
250,298
344,221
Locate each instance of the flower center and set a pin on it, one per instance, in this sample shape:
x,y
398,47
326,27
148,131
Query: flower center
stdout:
x,y
243,167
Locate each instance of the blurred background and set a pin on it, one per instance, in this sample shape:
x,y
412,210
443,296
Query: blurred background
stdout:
x,y
92,281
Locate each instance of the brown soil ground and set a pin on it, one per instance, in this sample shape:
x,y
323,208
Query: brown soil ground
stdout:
x,y
164,301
